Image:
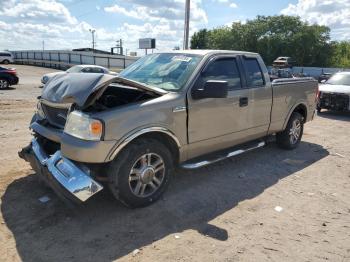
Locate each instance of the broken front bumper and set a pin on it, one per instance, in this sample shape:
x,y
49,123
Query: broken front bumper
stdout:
x,y
64,176
334,101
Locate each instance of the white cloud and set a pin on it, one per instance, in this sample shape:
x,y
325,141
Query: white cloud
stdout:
x,y
163,21
332,13
121,10
37,10
166,10
25,24
229,2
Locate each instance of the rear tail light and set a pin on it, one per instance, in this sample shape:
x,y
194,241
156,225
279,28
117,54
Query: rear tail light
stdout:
x,y
11,71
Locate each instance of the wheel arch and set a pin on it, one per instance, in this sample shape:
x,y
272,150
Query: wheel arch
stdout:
x,y
161,134
300,108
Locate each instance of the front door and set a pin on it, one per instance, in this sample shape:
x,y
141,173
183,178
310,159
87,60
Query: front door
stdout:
x,y
218,123
211,121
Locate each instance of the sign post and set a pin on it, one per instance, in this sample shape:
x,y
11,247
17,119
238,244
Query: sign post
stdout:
x,y
147,43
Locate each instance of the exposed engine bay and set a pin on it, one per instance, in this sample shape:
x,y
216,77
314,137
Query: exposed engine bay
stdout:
x,y
116,95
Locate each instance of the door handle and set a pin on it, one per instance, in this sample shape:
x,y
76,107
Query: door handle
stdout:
x,y
243,101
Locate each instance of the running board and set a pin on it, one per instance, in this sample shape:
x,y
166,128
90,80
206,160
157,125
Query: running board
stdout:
x,y
236,152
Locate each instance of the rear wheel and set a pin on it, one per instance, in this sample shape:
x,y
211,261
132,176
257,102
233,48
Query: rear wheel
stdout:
x,y
6,62
141,173
4,83
291,136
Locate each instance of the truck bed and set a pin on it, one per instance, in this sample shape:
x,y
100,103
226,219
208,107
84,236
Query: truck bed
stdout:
x,y
290,92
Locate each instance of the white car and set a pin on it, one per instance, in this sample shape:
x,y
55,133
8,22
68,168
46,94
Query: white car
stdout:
x,y
78,69
6,57
334,93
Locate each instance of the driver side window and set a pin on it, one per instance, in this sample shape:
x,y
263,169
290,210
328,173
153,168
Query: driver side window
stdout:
x,y
224,69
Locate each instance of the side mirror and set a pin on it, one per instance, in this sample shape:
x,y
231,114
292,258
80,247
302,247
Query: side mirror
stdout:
x,y
323,81
211,89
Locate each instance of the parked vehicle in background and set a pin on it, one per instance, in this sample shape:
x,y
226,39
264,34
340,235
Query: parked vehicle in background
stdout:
x,y
8,77
334,94
188,108
78,69
283,62
6,57
276,73
324,77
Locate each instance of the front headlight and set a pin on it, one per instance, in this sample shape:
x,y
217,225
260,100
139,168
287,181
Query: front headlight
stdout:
x,y
44,79
82,126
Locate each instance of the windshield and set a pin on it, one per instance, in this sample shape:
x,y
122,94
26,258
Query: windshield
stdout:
x,y
339,79
74,69
166,71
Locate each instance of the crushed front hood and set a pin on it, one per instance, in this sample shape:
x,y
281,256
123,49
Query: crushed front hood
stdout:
x,y
77,87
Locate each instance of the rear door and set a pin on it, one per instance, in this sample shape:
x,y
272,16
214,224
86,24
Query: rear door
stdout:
x,y
258,97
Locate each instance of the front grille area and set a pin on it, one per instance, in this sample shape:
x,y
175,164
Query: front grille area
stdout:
x,y
334,101
56,116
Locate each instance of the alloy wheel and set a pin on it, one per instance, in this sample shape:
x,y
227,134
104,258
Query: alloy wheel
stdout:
x,y
146,175
294,132
3,84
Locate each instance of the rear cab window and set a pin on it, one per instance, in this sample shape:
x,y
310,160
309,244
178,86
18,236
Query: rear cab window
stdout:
x,y
254,75
225,69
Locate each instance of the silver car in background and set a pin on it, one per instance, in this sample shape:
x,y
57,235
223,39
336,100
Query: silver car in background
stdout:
x,y
78,69
6,57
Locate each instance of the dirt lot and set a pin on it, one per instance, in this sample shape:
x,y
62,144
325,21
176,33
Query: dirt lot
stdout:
x,y
225,212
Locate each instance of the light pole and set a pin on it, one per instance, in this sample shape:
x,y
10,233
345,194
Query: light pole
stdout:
x,y
92,31
187,24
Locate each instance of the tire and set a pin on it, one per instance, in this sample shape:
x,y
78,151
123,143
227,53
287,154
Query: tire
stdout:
x,y
291,136
4,83
133,176
6,62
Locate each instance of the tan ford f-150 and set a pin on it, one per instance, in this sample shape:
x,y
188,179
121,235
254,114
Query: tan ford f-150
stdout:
x,y
187,108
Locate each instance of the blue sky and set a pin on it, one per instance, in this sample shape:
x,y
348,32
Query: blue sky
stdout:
x,y
65,24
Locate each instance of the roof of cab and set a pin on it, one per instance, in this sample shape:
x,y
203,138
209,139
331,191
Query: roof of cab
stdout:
x,y
204,52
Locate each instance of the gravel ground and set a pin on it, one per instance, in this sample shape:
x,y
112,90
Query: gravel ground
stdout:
x,y
266,205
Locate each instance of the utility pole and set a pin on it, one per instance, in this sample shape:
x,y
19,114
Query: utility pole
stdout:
x,y
92,31
187,24
43,45
119,46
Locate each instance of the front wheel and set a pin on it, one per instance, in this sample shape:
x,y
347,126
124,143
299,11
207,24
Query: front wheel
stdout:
x,y
4,83
291,136
140,173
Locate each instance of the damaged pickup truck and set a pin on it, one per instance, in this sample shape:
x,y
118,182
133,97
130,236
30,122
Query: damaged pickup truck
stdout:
x,y
188,109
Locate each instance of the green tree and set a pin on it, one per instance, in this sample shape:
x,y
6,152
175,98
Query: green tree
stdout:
x,y
341,54
199,39
272,36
